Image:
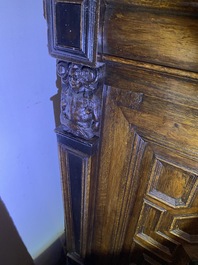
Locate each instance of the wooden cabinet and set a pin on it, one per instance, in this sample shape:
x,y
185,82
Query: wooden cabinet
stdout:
x,y
130,186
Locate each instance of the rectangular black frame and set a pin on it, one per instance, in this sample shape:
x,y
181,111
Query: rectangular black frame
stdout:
x,y
83,47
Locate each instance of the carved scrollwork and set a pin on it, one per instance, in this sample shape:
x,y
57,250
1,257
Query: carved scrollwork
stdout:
x,y
81,98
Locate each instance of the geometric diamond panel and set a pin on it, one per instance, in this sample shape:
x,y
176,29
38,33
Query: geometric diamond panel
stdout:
x,y
148,235
171,185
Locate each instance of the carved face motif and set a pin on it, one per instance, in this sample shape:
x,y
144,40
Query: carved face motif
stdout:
x,y
89,75
75,78
80,79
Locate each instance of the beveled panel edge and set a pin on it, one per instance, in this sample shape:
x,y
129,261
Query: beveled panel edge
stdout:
x,y
137,77
74,259
149,66
179,233
187,197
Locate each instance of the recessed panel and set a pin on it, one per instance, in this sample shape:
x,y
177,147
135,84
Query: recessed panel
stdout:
x,y
73,30
68,26
171,185
186,228
75,172
148,233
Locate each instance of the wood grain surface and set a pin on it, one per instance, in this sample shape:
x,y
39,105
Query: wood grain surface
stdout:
x,y
137,202
154,36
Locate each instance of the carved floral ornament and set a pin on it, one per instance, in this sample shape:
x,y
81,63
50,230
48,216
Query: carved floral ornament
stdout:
x,y
81,98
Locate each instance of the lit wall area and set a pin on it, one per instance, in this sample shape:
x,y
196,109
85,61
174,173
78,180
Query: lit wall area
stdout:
x,y
30,185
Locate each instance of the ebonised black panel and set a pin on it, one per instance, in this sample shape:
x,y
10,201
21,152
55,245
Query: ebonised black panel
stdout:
x,y
68,26
73,30
75,173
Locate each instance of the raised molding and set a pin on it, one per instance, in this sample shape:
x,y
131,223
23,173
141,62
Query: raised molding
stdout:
x,y
182,231
173,176
73,29
78,161
146,234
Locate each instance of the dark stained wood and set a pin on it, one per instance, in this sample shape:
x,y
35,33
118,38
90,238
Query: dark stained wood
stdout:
x,y
147,190
168,86
68,29
73,29
138,189
153,36
78,162
81,99
146,207
189,7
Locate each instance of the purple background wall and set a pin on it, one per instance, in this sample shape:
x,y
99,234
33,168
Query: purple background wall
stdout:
x,y
29,172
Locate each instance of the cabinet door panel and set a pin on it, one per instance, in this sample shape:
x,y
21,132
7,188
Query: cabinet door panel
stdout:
x,y
147,189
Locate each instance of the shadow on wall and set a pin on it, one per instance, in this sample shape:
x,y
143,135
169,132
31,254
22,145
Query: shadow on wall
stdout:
x,y
12,249
54,254
56,99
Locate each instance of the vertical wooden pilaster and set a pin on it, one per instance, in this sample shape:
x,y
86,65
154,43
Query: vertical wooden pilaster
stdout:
x,y
73,40
78,160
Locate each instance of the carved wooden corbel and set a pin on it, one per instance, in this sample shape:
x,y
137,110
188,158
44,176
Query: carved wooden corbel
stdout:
x,y
73,39
81,98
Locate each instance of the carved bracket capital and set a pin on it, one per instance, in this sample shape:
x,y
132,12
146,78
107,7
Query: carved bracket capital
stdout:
x,y
81,98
